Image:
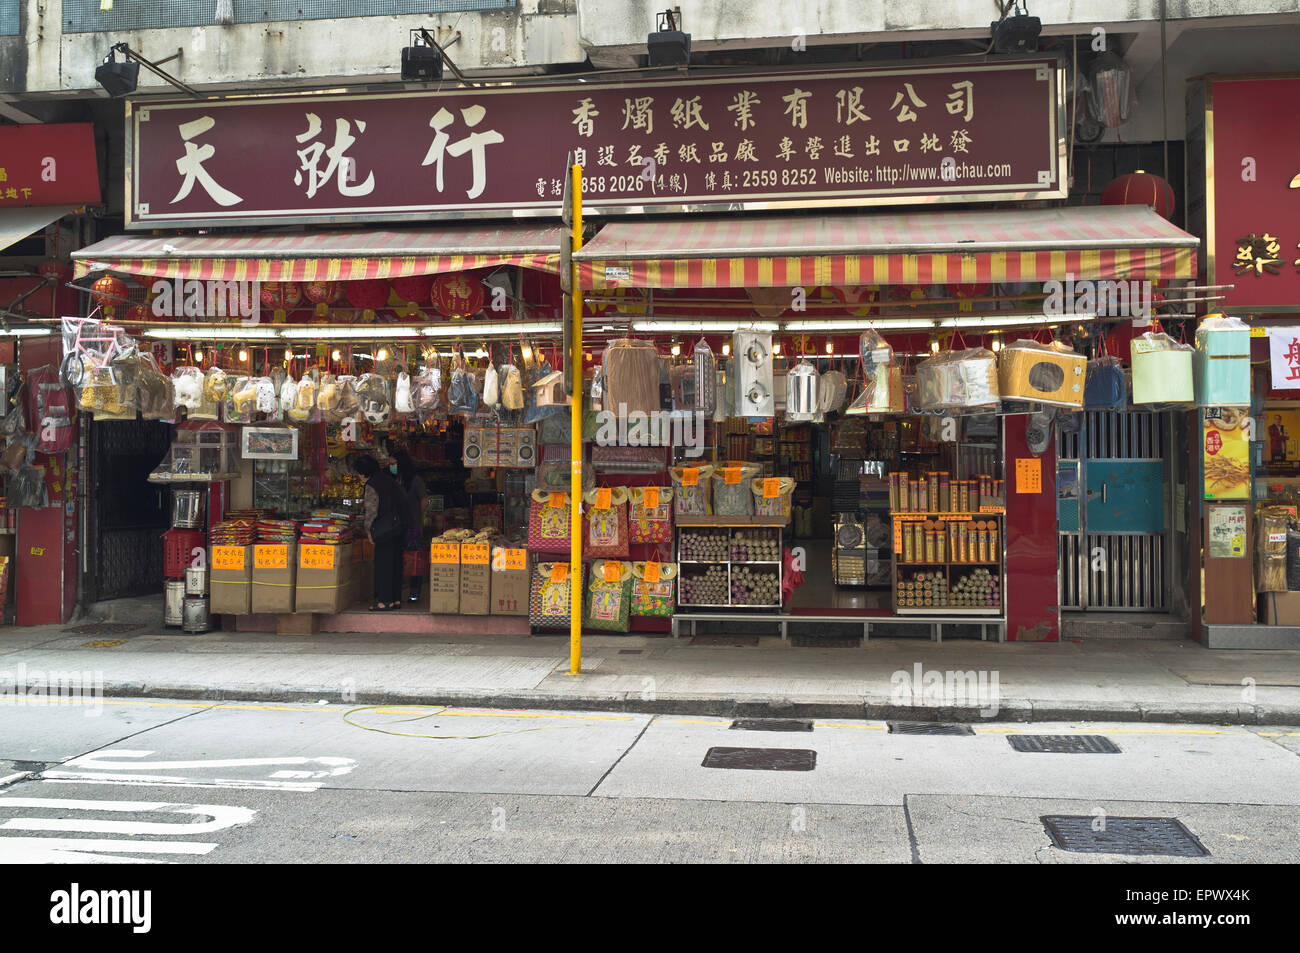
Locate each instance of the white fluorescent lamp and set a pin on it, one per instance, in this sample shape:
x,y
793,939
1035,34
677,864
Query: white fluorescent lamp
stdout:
x,y
250,332
691,326
849,327
25,332
474,330
347,333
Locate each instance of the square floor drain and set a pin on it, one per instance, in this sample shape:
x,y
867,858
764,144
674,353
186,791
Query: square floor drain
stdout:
x,y
1063,744
928,728
761,759
771,724
1138,836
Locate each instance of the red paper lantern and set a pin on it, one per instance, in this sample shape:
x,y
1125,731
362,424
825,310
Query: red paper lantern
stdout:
x,y
458,295
369,294
413,290
322,292
110,294
1140,188
281,295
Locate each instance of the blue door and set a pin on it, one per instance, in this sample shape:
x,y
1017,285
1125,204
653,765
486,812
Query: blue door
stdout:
x,y
1125,496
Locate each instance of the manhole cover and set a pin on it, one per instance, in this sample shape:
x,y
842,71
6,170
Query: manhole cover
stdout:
x,y
762,759
103,628
771,724
1165,836
103,643
1063,744
733,641
928,728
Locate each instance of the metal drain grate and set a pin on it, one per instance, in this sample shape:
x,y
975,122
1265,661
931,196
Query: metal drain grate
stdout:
x,y
825,642
771,724
629,651
761,759
103,628
928,728
1142,836
1063,744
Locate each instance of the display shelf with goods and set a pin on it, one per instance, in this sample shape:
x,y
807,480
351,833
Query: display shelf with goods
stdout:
x,y
729,564
948,562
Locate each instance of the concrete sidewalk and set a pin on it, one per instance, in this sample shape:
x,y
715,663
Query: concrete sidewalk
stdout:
x,y
1156,681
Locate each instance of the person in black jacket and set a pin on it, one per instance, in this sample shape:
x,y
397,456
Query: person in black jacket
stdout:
x,y
385,522
416,543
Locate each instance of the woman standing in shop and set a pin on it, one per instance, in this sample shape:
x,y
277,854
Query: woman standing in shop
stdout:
x,y
414,489
385,521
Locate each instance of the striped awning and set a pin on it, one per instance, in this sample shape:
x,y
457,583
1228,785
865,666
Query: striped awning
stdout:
x,y
908,248
19,222
324,255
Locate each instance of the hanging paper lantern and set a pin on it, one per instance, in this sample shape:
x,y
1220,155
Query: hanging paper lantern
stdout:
x,y
322,294
1140,188
912,293
368,295
280,296
412,290
862,296
964,292
138,313
457,296
110,294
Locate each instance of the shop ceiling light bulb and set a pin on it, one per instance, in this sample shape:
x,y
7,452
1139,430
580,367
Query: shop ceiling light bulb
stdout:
x,y
243,355
198,354
726,349
934,346
776,348
383,354
336,355
830,347
288,354
677,349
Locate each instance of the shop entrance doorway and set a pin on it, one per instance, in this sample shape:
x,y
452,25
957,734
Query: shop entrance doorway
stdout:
x,y
1113,517
128,515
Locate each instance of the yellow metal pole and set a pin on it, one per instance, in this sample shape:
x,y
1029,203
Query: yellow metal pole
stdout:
x,y
575,425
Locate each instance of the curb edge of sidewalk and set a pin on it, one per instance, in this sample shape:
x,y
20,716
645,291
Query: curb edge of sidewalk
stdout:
x,y
828,707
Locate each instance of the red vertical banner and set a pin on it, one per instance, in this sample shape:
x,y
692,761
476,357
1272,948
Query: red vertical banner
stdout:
x,y
1031,562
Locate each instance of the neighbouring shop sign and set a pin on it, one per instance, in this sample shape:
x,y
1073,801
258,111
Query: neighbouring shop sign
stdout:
x,y
1254,231
1226,529
1284,357
48,164
1226,449
968,132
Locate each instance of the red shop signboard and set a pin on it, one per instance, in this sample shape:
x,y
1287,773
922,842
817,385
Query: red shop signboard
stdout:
x,y
966,132
1253,228
48,164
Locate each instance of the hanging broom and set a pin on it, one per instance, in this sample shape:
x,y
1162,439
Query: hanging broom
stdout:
x,y
225,12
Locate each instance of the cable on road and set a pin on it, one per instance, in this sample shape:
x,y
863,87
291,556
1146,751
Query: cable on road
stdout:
x,y
347,717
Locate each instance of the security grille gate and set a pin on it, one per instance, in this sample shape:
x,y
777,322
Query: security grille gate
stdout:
x,y
1113,541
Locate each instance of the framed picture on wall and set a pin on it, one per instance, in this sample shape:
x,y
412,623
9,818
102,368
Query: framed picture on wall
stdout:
x,y
269,443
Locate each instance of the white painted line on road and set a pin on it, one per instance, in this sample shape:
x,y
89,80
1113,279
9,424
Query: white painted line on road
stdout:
x,y
14,777
68,850
59,776
117,759
222,816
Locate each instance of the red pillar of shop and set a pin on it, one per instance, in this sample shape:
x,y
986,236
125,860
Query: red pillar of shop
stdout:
x,y
46,548
1031,562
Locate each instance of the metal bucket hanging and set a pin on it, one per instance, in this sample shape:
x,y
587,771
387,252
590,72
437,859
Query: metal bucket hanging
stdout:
x,y
801,392
173,602
186,508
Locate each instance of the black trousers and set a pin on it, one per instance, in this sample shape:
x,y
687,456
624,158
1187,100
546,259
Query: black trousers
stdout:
x,y
388,571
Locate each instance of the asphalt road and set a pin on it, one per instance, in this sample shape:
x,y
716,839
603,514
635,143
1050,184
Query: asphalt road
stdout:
x,y
192,782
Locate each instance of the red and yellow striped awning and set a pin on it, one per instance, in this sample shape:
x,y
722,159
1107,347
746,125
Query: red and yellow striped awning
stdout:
x,y
324,256
1011,245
